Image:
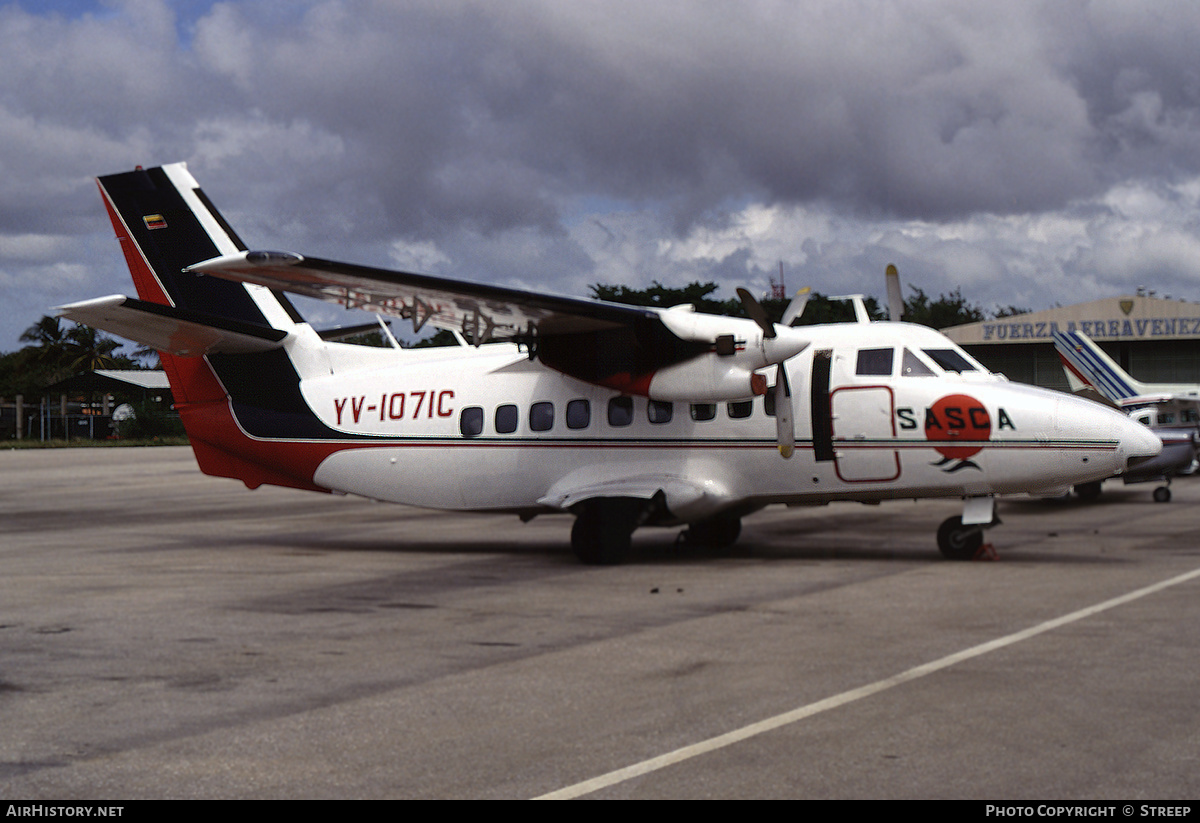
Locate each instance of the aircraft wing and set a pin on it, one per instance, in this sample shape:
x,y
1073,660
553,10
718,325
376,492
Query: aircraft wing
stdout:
x,y
666,354
169,329
483,313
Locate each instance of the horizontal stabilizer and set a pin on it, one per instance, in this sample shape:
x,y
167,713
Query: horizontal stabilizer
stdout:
x,y
173,330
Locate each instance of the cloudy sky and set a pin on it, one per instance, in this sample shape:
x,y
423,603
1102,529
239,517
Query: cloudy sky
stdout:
x,y
1032,153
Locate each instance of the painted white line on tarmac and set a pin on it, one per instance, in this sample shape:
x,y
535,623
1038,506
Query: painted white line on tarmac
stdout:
x,y
795,715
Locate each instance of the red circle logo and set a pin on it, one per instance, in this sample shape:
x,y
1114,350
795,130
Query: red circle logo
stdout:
x,y
958,418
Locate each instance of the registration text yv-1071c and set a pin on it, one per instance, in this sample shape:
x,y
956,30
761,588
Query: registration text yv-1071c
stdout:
x,y
624,416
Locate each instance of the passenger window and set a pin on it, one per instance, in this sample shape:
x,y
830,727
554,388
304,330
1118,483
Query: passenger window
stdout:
x,y
911,366
579,414
769,403
874,362
949,359
741,409
620,411
541,417
704,411
470,423
660,412
506,419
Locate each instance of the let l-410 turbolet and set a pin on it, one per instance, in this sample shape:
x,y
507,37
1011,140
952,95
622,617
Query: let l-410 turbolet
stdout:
x,y
624,416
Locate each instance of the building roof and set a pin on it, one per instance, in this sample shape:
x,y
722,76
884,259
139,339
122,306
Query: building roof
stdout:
x,y
1126,318
108,380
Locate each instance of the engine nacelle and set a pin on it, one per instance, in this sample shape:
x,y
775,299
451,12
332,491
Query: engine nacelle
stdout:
x,y
711,378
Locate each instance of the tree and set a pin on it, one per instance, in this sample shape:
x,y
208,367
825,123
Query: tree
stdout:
x,y
948,310
57,353
664,297
819,309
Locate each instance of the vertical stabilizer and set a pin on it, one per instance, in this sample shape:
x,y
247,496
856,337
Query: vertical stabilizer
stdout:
x,y
242,412
1086,363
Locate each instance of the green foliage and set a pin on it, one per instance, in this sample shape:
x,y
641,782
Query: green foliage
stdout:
x,y
948,310
664,297
819,309
56,353
1009,311
444,337
152,422
822,309
374,339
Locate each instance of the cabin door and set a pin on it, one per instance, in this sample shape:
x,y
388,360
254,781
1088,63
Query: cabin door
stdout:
x,y
864,434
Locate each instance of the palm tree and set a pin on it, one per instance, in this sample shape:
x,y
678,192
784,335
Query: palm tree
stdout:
x,y
58,353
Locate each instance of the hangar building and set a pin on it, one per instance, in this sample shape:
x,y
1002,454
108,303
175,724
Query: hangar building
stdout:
x,y
1154,339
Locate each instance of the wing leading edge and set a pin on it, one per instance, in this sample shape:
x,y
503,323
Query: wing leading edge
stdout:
x,y
483,313
666,354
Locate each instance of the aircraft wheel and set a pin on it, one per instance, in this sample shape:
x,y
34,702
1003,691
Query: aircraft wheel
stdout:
x,y
716,532
603,531
959,542
1089,491
1162,495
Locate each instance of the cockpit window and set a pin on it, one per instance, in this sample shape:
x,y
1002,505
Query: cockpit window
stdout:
x,y
950,360
912,366
874,361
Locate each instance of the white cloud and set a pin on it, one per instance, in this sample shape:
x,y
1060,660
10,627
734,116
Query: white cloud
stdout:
x,y
1031,153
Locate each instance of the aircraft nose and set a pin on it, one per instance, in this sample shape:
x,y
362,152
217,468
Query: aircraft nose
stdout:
x,y
1136,442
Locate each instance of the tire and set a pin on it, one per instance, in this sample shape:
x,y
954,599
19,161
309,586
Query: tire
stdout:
x,y
1162,495
603,530
959,542
1089,491
716,532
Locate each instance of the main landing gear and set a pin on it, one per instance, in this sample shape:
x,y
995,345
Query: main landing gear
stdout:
x,y
713,533
603,530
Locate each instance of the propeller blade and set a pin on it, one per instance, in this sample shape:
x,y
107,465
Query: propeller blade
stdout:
x,y
796,307
894,297
756,312
785,429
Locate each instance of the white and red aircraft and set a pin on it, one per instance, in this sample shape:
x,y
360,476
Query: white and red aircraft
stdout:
x,y
624,416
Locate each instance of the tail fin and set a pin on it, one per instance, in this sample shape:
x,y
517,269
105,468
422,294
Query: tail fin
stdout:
x,y
1087,365
165,223
243,411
